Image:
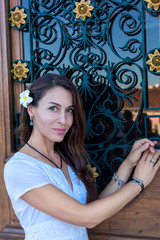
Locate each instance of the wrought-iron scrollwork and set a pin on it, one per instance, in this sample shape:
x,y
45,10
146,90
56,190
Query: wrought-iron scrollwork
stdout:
x,y
129,19
102,55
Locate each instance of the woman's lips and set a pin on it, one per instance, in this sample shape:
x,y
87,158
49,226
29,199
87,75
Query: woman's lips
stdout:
x,y
60,130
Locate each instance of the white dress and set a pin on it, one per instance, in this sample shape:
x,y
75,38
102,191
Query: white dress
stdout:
x,y
23,173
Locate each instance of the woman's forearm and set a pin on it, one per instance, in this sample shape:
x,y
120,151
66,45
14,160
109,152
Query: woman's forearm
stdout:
x,y
108,206
123,175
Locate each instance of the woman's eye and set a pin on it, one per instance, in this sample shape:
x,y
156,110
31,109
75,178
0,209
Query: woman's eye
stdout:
x,y
53,108
70,110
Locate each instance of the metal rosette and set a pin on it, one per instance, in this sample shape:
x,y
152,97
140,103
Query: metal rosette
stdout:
x,y
83,9
20,70
152,6
152,61
18,17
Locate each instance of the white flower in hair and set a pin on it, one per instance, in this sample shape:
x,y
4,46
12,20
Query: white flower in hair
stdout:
x,y
25,99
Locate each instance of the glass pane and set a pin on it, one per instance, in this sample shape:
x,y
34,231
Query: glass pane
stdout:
x,y
105,56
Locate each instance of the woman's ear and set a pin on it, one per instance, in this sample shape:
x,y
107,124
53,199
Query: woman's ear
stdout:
x,y
30,110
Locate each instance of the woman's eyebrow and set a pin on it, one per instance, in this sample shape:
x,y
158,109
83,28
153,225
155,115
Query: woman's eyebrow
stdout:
x,y
54,103
58,104
71,106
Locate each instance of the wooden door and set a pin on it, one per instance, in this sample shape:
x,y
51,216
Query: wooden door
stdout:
x,y
8,220
140,218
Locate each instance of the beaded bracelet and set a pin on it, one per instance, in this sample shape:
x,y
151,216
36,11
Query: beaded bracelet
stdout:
x,y
118,180
137,180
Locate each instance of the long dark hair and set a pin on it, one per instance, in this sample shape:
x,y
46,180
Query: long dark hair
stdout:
x,y
72,148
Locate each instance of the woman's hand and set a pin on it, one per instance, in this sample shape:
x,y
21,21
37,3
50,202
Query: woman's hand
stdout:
x,y
125,169
137,150
147,166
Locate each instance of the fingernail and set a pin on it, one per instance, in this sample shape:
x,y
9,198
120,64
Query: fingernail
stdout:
x,y
152,149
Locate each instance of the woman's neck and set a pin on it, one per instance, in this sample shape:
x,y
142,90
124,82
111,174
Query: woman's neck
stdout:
x,y
45,146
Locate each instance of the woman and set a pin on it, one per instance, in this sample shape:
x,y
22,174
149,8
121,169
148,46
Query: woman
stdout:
x,y
52,192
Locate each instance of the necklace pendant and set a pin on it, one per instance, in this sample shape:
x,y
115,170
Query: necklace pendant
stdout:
x,y
65,174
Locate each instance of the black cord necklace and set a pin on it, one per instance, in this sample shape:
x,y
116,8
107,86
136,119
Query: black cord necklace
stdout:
x,y
46,157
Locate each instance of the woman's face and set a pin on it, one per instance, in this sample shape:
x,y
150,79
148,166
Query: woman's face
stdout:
x,y
54,115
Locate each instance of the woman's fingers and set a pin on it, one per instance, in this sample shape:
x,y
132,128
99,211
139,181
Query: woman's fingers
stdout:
x,y
143,141
153,158
147,166
145,155
138,149
152,149
144,144
143,147
157,165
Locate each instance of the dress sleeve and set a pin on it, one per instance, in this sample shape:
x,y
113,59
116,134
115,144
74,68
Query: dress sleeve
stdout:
x,y
22,176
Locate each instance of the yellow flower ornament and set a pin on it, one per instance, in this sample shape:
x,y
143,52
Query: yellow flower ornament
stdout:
x,y
17,17
153,3
83,9
25,99
154,61
93,171
19,70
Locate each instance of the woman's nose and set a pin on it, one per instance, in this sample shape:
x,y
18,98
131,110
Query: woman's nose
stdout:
x,y
62,117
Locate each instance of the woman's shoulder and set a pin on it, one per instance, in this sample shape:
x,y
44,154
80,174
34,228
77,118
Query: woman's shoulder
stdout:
x,y
19,160
21,166
18,156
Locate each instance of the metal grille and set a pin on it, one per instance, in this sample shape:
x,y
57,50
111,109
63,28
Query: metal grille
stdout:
x,y
105,56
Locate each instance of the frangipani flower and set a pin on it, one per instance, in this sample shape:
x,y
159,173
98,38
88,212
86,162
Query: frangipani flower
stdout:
x,y
93,171
25,99
17,17
153,3
19,70
154,61
83,9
